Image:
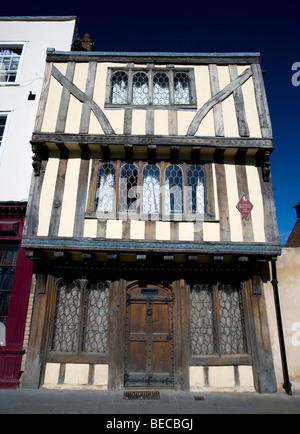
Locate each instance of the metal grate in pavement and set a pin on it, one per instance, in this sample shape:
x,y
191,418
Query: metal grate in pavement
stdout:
x,y
141,395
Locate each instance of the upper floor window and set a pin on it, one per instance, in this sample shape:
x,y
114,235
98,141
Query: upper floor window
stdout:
x,y
105,197
152,189
119,88
9,62
151,87
128,188
173,189
196,189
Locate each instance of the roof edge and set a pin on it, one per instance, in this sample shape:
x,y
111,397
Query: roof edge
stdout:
x,y
39,18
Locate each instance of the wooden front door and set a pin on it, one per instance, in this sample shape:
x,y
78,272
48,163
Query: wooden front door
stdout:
x,y
149,349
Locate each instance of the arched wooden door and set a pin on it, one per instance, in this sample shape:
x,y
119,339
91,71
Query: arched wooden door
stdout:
x,y
149,346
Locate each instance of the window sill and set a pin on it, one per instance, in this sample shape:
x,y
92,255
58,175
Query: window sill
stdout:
x,y
191,218
215,360
7,84
192,107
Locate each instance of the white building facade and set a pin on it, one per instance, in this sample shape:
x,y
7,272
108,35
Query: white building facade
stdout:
x,y
23,45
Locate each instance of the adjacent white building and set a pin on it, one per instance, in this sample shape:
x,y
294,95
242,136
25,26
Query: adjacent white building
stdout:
x,y
23,45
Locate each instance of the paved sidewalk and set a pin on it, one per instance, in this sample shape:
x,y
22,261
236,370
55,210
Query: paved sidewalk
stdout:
x,y
45,401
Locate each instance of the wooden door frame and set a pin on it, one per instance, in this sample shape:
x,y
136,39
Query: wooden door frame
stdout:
x,y
117,321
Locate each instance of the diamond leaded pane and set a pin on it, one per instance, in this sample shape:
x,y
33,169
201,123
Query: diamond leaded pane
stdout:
x,y
182,89
203,333
151,189
173,189
94,337
161,89
128,188
105,197
196,189
140,89
65,331
119,88
232,321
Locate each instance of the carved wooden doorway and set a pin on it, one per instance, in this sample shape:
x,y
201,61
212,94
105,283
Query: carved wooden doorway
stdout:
x,y
149,346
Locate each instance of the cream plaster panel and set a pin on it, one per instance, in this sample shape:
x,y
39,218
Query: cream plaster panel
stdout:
x,y
250,105
211,231
76,373
94,126
75,106
221,377
203,91
69,199
47,195
184,118
288,275
53,101
196,378
101,376
116,119
255,196
90,228
51,373
73,116
137,230
246,379
229,114
215,192
235,222
139,122
186,231
114,229
161,122
163,231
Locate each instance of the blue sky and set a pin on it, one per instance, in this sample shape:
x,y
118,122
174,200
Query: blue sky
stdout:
x,y
270,28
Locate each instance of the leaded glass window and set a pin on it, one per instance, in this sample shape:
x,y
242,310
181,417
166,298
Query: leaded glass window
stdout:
x,y
217,320
66,317
81,317
161,89
151,87
151,189
119,88
182,89
128,188
105,198
140,89
173,189
196,195
181,191
203,333
94,331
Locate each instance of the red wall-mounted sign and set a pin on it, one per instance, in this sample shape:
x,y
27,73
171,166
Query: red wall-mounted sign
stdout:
x,y
244,206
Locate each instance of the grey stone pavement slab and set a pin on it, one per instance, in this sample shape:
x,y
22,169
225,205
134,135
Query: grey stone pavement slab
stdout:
x,y
57,401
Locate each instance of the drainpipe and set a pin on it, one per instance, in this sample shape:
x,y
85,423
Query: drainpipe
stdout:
x,y
286,383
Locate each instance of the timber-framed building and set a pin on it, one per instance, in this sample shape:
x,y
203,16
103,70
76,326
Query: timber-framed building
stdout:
x,y
151,223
